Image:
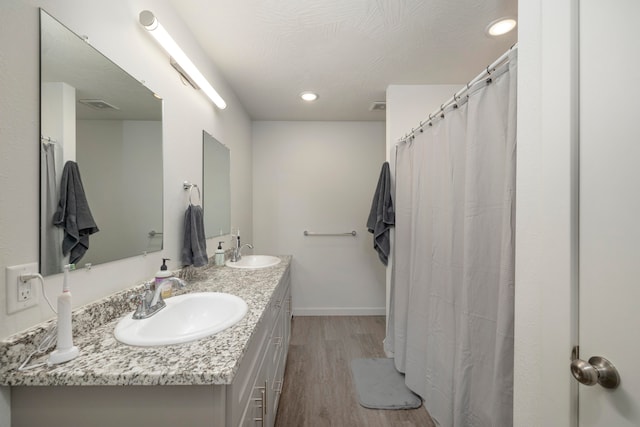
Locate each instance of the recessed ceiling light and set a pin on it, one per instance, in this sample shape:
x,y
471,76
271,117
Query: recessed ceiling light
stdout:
x,y
501,26
309,96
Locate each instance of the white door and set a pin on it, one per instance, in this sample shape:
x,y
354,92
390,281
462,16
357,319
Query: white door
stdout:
x,y
610,206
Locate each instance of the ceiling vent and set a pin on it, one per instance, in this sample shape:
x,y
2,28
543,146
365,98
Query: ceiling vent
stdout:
x,y
378,106
98,104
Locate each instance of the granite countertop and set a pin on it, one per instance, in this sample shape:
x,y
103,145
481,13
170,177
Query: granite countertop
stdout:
x,y
105,361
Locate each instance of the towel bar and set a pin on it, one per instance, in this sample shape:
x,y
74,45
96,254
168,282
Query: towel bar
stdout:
x,y
311,233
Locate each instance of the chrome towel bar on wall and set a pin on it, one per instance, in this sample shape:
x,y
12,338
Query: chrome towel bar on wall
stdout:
x,y
311,233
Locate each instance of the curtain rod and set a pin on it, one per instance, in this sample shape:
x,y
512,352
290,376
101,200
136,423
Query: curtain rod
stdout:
x,y
456,96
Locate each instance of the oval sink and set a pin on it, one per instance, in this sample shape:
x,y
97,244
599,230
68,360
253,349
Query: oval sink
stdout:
x,y
186,318
254,261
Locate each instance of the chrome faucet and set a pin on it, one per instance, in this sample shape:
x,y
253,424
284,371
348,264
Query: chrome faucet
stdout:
x,y
236,254
150,300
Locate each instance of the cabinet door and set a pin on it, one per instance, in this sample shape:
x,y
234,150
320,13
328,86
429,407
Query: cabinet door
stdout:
x,y
255,414
286,320
275,360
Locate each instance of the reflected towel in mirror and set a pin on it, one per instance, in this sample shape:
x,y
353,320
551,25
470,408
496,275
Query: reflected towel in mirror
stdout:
x,y
73,214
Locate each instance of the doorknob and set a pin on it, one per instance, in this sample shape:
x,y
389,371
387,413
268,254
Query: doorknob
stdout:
x,y
597,370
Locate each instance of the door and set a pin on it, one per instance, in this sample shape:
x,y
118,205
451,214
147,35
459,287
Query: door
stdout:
x,y
610,206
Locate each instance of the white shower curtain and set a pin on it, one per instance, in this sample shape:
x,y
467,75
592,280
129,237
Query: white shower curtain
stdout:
x,y
51,259
453,280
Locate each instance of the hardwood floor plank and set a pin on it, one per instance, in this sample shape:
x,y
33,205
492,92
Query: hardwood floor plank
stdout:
x,y
318,387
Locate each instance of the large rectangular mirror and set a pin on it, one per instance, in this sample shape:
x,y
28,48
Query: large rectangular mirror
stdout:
x,y
216,177
95,114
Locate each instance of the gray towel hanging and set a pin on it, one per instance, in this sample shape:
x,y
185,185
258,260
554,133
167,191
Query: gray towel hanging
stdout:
x,y
73,214
382,216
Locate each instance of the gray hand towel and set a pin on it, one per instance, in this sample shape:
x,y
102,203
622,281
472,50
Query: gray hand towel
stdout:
x,y
73,214
194,248
382,216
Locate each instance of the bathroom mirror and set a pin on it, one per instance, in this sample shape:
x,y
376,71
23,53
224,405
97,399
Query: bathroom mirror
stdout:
x,y
216,191
94,113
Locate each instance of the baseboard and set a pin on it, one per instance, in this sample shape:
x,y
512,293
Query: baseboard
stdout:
x,y
341,311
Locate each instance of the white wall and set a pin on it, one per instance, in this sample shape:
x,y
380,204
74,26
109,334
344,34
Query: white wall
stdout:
x,y
320,176
141,147
113,28
407,105
100,152
545,291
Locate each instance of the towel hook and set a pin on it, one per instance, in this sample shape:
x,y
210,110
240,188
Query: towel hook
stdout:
x,y
189,186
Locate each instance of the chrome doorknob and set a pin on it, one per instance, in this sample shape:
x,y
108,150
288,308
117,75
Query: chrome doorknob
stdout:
x,y
597,370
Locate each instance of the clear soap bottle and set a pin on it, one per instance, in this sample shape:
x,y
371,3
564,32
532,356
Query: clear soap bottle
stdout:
x,y
218,257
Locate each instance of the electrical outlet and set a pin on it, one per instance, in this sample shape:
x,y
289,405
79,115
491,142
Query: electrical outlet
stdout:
x,y
24,290
20,295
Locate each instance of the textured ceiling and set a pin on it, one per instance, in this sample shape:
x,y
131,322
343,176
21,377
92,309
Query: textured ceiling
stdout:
x,y
348,51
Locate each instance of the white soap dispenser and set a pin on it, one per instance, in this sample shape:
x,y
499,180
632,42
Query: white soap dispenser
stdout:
x,y
218,258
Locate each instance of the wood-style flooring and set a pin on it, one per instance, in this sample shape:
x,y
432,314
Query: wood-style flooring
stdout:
x,y
318,387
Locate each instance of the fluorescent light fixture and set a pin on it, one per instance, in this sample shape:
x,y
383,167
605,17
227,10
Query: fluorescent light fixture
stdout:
x,y
309,96
501,26
150,23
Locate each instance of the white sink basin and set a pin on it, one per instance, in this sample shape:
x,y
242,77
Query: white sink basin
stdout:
x,y
186,318
254,261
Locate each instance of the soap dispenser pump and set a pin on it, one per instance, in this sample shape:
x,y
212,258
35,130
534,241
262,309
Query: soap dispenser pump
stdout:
x,y
218,258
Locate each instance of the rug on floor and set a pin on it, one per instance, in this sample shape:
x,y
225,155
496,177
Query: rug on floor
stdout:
x,y
380,386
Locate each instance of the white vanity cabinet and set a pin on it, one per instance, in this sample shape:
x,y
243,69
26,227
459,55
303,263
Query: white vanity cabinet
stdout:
x,y
266,373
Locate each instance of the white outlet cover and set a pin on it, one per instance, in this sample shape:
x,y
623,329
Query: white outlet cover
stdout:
x,y
11,275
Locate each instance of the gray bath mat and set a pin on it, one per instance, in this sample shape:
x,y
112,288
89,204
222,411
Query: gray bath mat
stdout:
x,y
381,386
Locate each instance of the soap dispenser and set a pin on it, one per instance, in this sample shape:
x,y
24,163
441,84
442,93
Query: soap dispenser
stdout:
x,y
218,258
162,275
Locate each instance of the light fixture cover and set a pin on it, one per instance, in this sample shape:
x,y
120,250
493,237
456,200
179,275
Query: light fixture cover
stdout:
x,y
501,26
309,96
151,24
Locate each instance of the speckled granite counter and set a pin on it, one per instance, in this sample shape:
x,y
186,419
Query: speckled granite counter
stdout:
x,y
105,361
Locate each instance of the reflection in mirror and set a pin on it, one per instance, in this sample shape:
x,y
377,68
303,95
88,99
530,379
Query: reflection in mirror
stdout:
x,y
216,177
94,113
